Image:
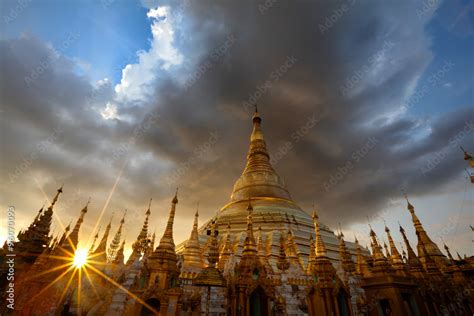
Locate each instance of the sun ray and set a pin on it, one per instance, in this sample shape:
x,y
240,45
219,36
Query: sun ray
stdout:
x,y
79,285
67,286
47,271
136,298
109,197
90,281
50,284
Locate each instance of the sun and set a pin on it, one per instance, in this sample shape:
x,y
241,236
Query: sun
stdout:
x,y
80,258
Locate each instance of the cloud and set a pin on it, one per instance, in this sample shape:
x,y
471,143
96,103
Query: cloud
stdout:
x,y
138,79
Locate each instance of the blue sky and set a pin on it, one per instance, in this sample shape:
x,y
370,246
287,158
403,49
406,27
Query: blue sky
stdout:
x,y
109,35
451,32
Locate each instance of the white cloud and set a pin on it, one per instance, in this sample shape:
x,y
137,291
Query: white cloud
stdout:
x,y
110,111
137,79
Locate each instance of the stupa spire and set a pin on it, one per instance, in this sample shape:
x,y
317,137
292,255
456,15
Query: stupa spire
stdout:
x,y
73,238
312,255
226,250
424,242
413,261
116,241
63,238
141,244
395,256
192,251
377,253
119,258
167,239
345,256
250,247
101,250
258,179
40,234
91,250
362,267
319,243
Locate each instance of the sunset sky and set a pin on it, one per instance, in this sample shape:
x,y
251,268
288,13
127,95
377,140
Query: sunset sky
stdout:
x,y
123,101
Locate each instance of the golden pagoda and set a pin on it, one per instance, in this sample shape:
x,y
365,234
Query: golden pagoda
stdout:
x,y
274,211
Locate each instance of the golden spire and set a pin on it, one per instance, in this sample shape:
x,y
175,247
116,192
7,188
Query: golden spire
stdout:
x,y
414,263
115,244
346,258
42,228
312,255
119,258
291,250
320,247
192,254
249,244
101,250
55,199
167,241
431,268
258,178
65,234
424,242
141,244
396,259
377,254
91,250
362,267
226,250
73,238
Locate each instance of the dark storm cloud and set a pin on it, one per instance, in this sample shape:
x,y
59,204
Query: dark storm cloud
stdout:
x,y
336,85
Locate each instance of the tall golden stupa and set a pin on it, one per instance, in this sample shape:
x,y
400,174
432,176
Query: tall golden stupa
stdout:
x,y
274,211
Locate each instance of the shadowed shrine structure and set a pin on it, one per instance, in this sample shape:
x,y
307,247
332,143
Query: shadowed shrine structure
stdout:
x,y
261,254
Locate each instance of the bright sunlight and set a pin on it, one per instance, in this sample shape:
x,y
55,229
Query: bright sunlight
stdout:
x,y
80,258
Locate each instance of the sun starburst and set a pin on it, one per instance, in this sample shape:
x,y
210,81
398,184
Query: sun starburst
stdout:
x,y
80,258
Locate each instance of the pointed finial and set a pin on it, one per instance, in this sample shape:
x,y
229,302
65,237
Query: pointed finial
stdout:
x,y
402,230
148,211
409,206
123,217
315,214
175,199
256,116
197,210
